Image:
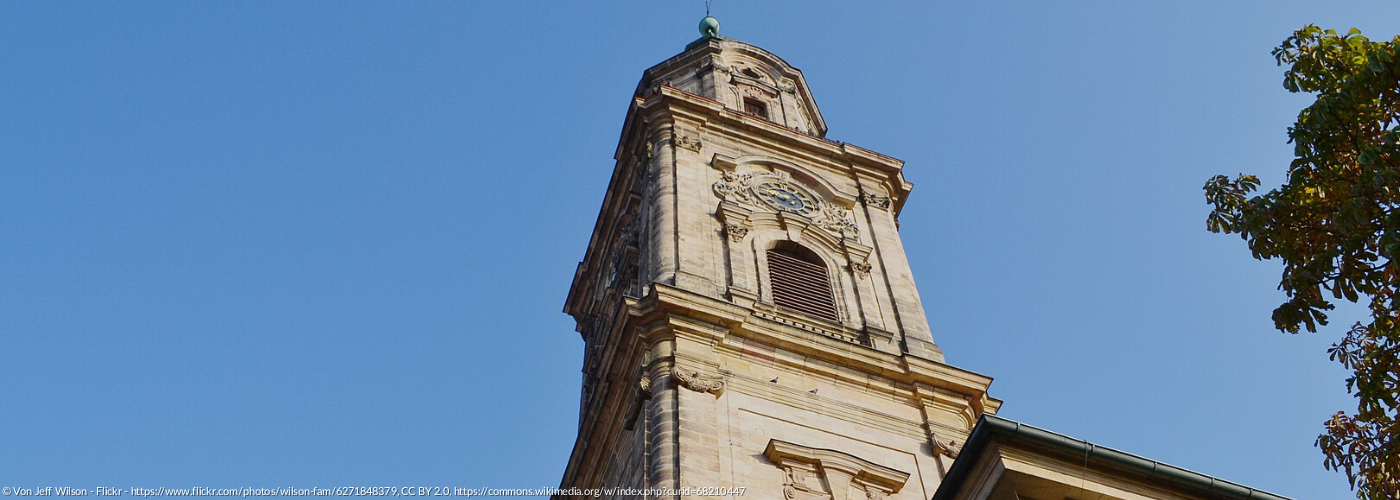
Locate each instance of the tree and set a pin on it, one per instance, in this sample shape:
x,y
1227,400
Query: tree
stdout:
x,y
1335,225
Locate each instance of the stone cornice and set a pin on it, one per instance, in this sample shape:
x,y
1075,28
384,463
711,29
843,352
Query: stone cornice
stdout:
x,y
670,103
700,52
853,413
920,378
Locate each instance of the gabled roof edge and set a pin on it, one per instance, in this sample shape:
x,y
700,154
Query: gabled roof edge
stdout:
x,y
989,426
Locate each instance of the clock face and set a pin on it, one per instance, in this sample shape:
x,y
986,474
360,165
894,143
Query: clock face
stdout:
x,y
786,198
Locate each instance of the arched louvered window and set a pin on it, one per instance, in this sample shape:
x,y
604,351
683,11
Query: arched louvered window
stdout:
x,y
800,282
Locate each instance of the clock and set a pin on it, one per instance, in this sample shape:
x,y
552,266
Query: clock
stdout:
x,y
787,198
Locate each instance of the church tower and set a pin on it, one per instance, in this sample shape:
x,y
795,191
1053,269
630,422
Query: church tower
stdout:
x,y
749,314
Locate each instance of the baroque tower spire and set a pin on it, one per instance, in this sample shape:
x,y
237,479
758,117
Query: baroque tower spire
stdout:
x,y
749,315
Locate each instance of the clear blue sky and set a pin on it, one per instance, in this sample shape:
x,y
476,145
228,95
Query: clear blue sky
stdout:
x,y
327,243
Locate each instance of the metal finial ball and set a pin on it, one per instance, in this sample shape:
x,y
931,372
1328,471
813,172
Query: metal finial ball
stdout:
x,y
709,26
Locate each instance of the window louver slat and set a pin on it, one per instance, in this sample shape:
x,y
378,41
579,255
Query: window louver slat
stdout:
x,y
801,285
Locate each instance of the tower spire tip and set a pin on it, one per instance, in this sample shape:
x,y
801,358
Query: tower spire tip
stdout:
x,y
709,27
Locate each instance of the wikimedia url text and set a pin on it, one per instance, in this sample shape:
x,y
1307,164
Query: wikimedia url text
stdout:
x,y
367,491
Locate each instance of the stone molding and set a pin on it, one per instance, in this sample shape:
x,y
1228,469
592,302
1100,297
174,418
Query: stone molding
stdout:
x,y
842,472
846,412
687,142
935,384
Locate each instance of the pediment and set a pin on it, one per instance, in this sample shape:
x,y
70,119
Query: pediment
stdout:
x,y
818,473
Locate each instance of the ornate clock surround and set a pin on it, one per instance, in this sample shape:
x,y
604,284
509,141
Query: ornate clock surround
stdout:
x,y
751,224
777,190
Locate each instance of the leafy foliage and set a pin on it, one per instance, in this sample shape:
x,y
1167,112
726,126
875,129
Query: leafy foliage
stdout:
x,y
1335,224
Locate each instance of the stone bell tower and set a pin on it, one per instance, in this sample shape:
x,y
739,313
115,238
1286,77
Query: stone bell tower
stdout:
x,y
749,313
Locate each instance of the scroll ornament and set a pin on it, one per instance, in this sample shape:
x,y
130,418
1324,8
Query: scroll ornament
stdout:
x,y
837,219
875,200
694,381
735,187
950,448
794,480
861,269
736,232
739,188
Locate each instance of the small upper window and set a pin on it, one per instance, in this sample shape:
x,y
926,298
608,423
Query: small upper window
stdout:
x,y
755,107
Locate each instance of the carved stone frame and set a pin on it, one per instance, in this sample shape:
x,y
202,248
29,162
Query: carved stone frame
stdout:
x,y
842,472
